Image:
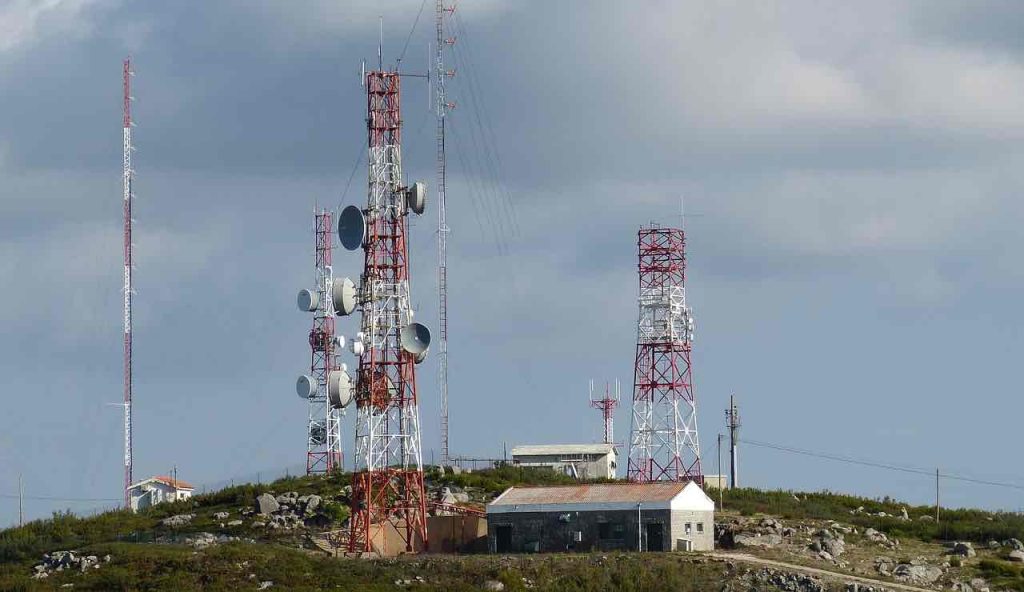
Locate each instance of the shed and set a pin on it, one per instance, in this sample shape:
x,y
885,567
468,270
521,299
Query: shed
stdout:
x,y
658,516
582,461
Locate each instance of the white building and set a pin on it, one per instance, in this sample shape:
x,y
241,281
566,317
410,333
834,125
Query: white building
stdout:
x,y
582,461
157,490
660,516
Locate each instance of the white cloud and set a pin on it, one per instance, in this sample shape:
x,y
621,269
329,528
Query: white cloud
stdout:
x,y
24,21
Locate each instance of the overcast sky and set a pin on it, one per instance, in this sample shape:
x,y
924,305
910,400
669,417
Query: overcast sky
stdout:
x,y
851,175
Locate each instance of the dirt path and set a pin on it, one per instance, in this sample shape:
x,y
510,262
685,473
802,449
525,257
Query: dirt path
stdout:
x,y
818,572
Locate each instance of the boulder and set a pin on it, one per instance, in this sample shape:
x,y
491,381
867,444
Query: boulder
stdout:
x,y
916,574
220,515
746,539
234,523
825,556
834,547
312,503
903,514
1014,544
494,586
926,518
1016,556
266,504
963,549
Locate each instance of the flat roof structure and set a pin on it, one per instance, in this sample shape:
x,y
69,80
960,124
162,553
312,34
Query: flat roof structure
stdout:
x,y
670,495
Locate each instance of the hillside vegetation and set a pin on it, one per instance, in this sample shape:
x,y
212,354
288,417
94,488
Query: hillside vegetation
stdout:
x,y
146,555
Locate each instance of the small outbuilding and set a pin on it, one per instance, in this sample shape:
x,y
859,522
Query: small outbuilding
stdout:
x,y
157,490
660,516
581,461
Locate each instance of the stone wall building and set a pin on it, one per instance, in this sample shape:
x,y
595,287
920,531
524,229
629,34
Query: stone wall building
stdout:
x,y
661,516
582,461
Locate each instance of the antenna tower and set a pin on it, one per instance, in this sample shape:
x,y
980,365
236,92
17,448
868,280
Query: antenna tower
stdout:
x,y
606,405
128,267
732,421
323,434
663,438
387,488
441,110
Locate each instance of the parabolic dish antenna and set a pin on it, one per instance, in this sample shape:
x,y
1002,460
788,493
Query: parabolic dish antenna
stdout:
x,y
343,294
308,300
305,386
416,197
339,389
415,339
351,228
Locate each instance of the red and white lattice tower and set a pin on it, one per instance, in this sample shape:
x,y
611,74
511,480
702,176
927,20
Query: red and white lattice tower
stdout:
x,y
128,268
387,487
606,405
663,437
323,443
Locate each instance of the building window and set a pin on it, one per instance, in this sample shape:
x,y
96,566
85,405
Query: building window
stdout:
x,y
700,527
608,531
689,527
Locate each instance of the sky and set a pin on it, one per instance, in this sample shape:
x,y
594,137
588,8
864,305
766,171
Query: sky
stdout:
x,y
850,175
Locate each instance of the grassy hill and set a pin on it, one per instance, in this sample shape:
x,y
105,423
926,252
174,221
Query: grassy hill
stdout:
x,y
146,555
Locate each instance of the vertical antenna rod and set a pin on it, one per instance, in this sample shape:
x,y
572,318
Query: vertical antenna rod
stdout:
x,y
442,228
128,195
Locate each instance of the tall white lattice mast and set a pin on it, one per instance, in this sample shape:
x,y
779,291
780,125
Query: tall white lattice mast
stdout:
x,y
128,196
663,437
442,106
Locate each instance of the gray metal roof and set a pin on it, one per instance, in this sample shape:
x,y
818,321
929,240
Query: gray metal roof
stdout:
x,y
557,449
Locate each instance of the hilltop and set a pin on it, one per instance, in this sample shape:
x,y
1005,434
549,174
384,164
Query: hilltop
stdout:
x,y
219,541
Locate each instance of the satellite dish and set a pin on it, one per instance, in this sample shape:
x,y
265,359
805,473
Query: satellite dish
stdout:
x,y
416,197
357,347
339,389
421,356
343,295
415,339
306,386
308,300
339,342
351,228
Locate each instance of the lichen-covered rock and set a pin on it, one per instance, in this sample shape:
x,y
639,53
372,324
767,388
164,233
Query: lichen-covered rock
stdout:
x,y
178,520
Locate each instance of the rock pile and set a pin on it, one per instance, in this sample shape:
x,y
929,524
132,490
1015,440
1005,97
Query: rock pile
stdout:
x,y
201,540
879,537
66,560
767,532
963,549
178,520
287,511
828,544
777,580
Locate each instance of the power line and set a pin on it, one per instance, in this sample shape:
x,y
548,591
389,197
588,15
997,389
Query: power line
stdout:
x,y
880,465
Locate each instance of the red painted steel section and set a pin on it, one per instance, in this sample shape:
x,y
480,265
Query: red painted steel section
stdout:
x,y
387,378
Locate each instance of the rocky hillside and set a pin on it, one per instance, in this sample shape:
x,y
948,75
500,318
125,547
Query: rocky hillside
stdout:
x,y
281,536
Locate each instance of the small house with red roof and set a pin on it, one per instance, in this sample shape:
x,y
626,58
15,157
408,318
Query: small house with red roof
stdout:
x,y
156,490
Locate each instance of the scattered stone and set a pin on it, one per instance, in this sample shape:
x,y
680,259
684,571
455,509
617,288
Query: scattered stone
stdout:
x,y
234,523
1016,556
1014,544
926,518
494,586
903,514
258,524
312,503
220,515
825,556
264,585
176,521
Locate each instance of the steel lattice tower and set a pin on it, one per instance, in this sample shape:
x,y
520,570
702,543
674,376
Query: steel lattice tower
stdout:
x,y
606,405
663,436
388,485
441,109
323,442
128,175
